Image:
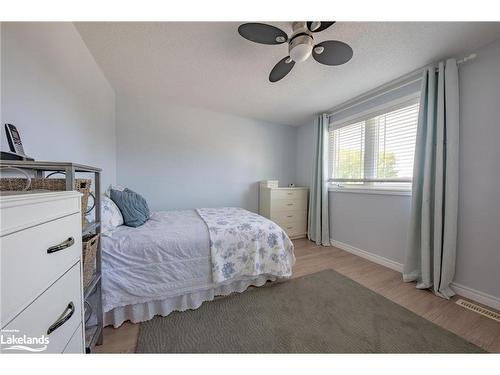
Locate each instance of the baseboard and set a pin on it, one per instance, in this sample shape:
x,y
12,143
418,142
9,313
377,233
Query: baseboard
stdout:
x,y
389,263
476,295
462,290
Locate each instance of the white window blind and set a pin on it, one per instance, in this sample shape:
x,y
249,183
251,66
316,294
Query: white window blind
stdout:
x,y
347,151
376,150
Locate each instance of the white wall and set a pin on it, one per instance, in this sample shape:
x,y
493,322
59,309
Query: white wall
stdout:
x,y
478,252
183,157
374,222
356,219
55,94
305,156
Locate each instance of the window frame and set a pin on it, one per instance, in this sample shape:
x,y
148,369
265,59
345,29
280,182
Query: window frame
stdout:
x,y
394,186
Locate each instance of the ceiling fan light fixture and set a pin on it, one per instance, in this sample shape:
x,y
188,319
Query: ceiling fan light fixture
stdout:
x,y
319,50
300,48
315,25
300,45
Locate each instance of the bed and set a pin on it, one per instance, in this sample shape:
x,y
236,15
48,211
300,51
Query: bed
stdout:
x,y
179,259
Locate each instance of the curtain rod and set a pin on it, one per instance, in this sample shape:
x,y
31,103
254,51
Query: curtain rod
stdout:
x,y
405,80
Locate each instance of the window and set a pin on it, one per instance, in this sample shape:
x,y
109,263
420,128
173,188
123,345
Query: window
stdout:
x,y
377,150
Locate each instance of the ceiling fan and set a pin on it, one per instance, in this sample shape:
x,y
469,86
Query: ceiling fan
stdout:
x,y
300,45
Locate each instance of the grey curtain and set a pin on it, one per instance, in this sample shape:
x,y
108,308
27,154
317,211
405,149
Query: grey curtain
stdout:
x,y
318,220
430,257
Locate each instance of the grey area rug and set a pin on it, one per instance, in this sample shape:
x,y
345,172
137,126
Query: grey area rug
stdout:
x,y
323,312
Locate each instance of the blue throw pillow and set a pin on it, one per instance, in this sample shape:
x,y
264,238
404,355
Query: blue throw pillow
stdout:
x,y
133,206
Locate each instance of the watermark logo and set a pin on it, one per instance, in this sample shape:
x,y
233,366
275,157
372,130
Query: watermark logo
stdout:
x,y
12,341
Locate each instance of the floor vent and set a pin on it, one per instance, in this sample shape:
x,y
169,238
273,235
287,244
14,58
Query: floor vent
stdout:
x,y
479,309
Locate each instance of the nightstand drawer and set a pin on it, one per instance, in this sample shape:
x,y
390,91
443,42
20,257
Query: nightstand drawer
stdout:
x,y
32,259
288,205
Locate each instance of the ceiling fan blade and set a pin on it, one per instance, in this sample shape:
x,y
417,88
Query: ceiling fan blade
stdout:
x,y
323,25
332,52
281,69
262,33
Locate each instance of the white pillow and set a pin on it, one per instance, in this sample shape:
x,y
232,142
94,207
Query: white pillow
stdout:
x,y
111,217
107,193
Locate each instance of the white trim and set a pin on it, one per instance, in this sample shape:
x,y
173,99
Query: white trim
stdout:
x,y
389,181
367,255
287,188
476,295
461,290
364,190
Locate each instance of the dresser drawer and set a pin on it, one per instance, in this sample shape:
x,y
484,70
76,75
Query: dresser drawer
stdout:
x,y
30,264
297,194
27,210
61,303
288,205
75,344
298,224
294,228
288,216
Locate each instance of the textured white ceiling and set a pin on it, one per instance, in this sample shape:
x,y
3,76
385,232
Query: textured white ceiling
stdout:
x,y
209,65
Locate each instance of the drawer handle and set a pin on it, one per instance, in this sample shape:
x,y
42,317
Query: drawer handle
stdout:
x,y
289,227
63,245
290,216
65,316
290,193
289,204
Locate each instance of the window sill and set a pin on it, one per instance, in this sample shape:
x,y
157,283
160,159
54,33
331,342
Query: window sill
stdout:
x,y
372,190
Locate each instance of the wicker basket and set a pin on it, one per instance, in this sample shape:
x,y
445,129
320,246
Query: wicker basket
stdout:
x,y
53,184
89,251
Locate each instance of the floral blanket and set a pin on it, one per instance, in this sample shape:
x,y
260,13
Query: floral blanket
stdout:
x,y
246,244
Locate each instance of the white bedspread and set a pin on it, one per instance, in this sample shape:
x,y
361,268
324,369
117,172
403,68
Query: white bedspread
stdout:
x,y
167,257
246,244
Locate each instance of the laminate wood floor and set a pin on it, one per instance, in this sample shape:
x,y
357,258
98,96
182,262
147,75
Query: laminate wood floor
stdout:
x,y
311,258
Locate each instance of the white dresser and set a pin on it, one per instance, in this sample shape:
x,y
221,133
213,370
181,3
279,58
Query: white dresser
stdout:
x,y
41,278
287,207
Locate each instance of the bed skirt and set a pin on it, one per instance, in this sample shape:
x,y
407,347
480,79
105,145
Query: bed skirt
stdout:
x,y
142,312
